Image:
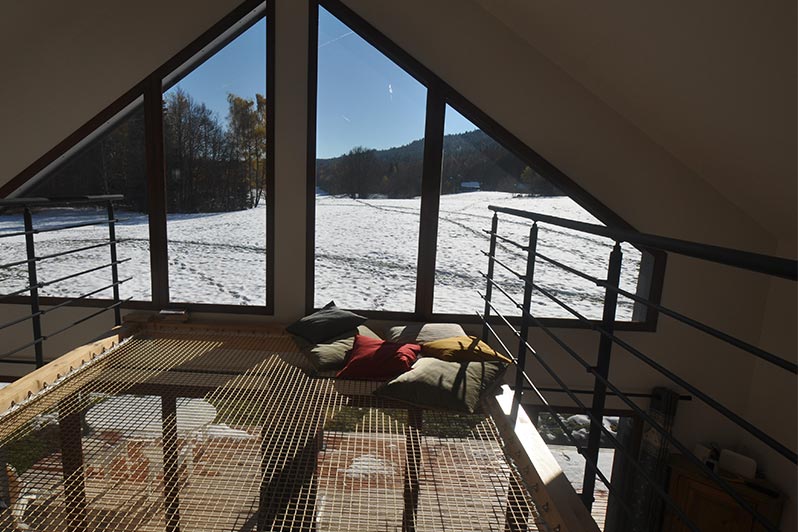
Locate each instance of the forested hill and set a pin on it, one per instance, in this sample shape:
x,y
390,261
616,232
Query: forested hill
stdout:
x,y
469,158
216,164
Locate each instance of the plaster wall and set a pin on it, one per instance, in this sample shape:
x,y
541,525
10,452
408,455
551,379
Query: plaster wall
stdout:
x,y
712,82
542,105
773,397
63,62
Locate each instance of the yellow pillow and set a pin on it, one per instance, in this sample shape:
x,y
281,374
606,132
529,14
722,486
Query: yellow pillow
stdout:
x,y
462,349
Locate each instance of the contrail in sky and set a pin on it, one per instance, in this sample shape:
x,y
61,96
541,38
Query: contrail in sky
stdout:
x,y
322,45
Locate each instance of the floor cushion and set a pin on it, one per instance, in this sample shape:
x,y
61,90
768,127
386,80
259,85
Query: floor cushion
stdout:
x,y
331,354
378,360
326,323
440,385
421,333
462,349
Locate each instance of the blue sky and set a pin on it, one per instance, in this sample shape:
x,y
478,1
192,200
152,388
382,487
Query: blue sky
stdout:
x,y
364,99
239,67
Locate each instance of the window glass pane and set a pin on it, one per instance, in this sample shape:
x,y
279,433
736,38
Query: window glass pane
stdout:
x,y
478,172
368,174
215,147
111,163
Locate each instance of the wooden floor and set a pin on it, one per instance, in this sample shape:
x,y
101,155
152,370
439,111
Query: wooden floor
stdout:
x,y
208,430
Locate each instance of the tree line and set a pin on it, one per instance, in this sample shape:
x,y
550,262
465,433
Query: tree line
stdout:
x,y
216,166
471,160
211,166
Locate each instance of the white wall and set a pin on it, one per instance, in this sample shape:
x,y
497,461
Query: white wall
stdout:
x,y
712,82
290,159
21,334
773,399
543,106
63,62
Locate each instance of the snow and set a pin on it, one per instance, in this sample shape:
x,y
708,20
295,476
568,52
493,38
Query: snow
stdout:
x,y
223,430
218,258
140,416
573,465
213,258
366,465
366,255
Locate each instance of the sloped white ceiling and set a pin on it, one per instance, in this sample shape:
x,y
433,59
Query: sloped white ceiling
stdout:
x,y
638,103
543,105
63,62
713,82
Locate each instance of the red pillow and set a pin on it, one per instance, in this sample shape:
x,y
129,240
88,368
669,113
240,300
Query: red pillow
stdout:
x,y
377,360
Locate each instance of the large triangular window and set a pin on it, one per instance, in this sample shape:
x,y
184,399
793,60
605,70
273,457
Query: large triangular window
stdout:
x,y
215,122
190,149
369,147
405,171
110,161
478,171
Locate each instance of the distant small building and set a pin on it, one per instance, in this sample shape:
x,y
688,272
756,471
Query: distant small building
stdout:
x,y
469,186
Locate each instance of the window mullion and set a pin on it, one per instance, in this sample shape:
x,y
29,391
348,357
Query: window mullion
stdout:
x,y
430,200
156,190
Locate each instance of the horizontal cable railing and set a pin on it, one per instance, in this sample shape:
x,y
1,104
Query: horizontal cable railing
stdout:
x,y
745,346
775,266
771,266
25,207
592,464
791,455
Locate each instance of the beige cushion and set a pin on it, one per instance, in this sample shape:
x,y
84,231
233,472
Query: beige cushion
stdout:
x,y
439,385
462,349
421,333
331,356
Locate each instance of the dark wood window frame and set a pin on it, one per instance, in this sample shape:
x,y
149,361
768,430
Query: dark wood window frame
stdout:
x,y
439,94
150,90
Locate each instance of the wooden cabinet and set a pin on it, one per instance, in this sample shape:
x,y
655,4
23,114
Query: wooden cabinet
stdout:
x,y
711,508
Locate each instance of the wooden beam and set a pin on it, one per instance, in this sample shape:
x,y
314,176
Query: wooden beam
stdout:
x,y
553,494
34,382
208,324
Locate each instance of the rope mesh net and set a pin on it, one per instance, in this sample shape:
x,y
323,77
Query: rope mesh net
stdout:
x,y
214,430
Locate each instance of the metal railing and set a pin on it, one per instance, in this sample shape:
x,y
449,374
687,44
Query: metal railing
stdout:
x,y
25,207
607,339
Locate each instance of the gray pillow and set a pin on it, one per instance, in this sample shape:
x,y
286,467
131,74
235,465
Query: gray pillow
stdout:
x,y
325,323
440,385
420,333
331,355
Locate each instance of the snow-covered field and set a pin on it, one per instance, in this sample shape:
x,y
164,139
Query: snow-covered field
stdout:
x,y
213,258
366,253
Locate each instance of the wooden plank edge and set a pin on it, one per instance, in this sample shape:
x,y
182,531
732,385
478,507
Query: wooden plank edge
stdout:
x,y
154,322
559,505
37,380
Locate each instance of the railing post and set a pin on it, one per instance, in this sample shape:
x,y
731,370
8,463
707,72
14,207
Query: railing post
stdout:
x,y
412,469
525,312
5,488
602,368
69,427
171,468
114,268
494,226
33,282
